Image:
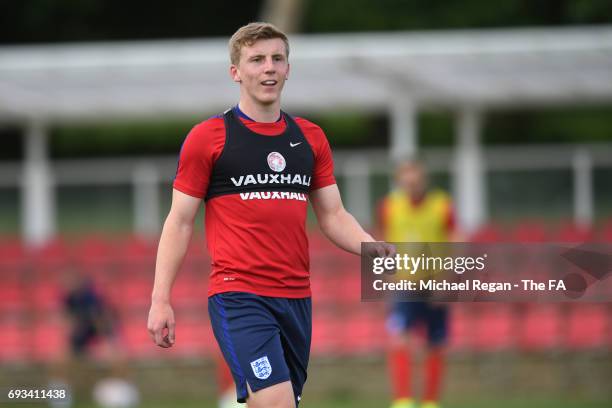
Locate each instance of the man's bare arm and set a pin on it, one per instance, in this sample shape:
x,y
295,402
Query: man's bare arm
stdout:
x,y
173,245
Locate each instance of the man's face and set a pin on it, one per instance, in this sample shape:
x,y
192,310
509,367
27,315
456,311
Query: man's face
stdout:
x,y
411,178
262,70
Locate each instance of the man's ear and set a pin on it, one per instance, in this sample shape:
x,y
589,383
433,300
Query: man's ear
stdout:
x,y
288,69
235,73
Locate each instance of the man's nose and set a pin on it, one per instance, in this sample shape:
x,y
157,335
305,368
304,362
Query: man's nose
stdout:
x,y
269,66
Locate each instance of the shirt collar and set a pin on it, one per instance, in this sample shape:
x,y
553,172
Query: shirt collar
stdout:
x,y
244,115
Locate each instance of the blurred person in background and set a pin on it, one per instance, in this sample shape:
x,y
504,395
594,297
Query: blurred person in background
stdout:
x,y
413,213
256,167
93,331
91,318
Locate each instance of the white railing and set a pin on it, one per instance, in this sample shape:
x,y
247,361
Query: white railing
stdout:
x,y
355,168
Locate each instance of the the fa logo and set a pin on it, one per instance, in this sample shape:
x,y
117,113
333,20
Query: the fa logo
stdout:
x,y
261,368
277,162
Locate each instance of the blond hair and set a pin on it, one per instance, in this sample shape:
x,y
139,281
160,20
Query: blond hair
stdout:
x,y
249,34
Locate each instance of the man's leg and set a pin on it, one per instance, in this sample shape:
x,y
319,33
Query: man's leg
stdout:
x,y
399,363
275,396
437,332
434,370
403,317
248,334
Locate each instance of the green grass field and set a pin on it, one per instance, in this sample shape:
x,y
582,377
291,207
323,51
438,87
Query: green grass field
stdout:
x,y
486,380
374,403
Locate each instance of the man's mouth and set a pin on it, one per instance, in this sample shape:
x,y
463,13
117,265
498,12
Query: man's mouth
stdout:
x,y
269,82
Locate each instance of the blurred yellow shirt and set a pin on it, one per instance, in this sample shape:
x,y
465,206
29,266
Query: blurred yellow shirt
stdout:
x,y
430,219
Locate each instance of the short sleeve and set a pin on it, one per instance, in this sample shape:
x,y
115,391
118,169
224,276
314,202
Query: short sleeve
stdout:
x,y
381,218
323,172
446,210
200,150
450,219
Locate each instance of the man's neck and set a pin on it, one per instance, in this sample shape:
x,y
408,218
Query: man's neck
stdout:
x,y
417,198
259,113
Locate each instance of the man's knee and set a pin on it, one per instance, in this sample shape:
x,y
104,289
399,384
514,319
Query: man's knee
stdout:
x,y
275,396
404,338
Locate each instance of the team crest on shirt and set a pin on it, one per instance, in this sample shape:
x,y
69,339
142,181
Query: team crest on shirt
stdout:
x,y
261,367
277,162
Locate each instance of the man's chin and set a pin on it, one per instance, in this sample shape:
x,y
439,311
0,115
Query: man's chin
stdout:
x,y
268,100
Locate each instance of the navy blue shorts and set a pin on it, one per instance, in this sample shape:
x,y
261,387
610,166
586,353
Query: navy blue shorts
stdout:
x,y
406,315
264,340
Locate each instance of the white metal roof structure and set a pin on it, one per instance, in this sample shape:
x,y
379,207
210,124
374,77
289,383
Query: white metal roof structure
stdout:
x,y
398,73
363,71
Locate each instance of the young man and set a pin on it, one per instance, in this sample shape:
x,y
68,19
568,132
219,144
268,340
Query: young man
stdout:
x,y
256,167
411,213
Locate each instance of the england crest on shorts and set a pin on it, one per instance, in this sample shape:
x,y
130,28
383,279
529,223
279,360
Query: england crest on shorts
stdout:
x,y
261,368
277,162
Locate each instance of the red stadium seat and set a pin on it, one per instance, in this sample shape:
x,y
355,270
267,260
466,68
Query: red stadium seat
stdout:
x,y
494,327
51,260
362,331
136,256
15,344
529,231
461,327
319,244
129,295
606,232
46,297
541,327
15,261
326,331
197,261
49,340
12,298
135,246
587,326
377,318
488,233
96,256
570,232
325,288
137,342
194,338
347,286
196,266
189,292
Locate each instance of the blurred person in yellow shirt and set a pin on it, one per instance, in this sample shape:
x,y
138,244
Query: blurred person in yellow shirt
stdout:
x,y
414,213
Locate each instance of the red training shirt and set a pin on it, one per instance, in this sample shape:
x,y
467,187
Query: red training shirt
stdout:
x,y
256,246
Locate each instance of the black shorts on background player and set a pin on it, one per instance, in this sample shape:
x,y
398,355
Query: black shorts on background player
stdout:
x,y
91,316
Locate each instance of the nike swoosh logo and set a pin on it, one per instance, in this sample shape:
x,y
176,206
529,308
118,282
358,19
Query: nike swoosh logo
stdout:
x,y
294,144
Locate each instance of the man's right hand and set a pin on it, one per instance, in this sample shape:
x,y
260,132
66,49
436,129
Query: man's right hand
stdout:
x,y
161,324
380,249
